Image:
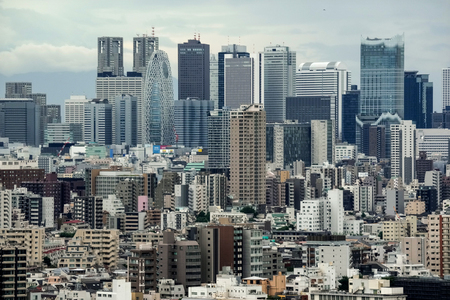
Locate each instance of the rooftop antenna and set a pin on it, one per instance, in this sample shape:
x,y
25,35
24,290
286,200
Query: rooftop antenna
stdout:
x,y
199,36
253,48
195,36
137,34
153,31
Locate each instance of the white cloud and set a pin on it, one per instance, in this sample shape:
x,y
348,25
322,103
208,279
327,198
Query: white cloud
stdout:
x,y
48,58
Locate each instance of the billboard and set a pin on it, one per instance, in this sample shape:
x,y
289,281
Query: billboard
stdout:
x,y
156,149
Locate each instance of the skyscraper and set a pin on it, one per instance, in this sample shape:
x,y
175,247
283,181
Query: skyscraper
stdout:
x,y
350,109
157,112
219,138
239,81
445,87
74,110
110,87
229,51
20,121
191,121
307,108
98,122
193,70
126,120
143,47
324,79
403,151
382,76
110,56
18,89
418,99
322,141
248,154
288,142
214,79
279,80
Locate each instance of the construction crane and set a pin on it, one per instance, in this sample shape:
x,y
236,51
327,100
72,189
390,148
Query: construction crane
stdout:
x,y
64,146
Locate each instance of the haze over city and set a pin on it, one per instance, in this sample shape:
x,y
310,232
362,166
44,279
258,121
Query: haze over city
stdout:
x,y
54,43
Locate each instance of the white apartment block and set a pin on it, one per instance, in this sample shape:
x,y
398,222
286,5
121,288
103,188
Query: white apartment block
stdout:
x,y
337,255
403,150
121,290
314,215
335,198
173,220
345,151
5,207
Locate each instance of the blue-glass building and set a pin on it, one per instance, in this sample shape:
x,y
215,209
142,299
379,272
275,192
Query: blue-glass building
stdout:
x,y
418,99
382,76
350,109
288,142
191,121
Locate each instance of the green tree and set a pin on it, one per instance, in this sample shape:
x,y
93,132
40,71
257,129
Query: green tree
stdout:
x,y
363,215
47,261
67,234
249,210
380,234
343,284
202,217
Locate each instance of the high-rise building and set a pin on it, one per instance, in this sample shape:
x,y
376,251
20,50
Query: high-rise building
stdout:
x,y
142,269
13,270
5,207
20,121
193,70
322,141
423,165
350,109
445,87
157,108
98,122
219,138
74,109
373,142
229,51
214,79
183,265
324,79
438,253
63,133
51,113
143,47
110,56
103,242
279,65
248,154
110,87
89,210
126,120
307,108
288,142
191,121
403,151
418,99
239,81
18,89
382,76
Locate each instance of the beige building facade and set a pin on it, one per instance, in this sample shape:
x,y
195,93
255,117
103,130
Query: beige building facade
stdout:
x,y
248,154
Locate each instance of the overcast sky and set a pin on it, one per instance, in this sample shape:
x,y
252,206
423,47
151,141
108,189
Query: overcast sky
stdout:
x,y
61,36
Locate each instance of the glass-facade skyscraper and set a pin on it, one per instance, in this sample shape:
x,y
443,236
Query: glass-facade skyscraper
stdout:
x,y
418,99
382,76
191,121
157,114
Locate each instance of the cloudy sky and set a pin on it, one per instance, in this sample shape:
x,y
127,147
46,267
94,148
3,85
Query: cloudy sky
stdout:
x,y
51,37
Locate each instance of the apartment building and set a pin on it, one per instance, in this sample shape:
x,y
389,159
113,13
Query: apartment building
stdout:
x,y
13,273
395,230
31,239
79,256
438,245
104,243
142,269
